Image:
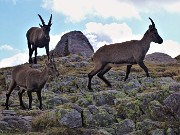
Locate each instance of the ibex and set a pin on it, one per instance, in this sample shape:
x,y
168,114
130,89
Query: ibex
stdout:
x,y
38,37
126,53
31,80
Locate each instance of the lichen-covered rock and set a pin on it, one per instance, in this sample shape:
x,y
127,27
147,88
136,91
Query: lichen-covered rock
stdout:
x,y
149,125
70,118
147,82
171,131
132,87
174,86
156,111
146,98
130,110
157,132
107,97
97,116
11,122
124,127
163,82
172,103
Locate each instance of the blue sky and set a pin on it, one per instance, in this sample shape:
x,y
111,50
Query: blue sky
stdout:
x,y
102,21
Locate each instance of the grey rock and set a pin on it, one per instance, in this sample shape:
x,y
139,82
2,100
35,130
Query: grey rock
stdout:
x,y
147,82
174,86
8,112
172,103
125,127
132,87
4,125
70,118
148,125
157,132
97,117
107,97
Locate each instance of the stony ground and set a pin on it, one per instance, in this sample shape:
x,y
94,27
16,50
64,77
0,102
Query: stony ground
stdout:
x,y
138,106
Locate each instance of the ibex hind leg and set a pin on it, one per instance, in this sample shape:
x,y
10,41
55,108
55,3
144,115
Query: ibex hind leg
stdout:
x,y
127,72
40,99
20,99
29,93
102,72
96,69
11,87
30,52
35,58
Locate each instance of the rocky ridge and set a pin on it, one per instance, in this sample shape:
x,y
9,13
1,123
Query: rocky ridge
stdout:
x,y
138,106
160,58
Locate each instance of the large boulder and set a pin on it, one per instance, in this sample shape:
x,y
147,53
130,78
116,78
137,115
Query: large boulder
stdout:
x,y
74,42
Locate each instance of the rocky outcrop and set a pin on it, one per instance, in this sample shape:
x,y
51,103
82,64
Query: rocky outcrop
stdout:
x,y
159,58
178,58
74,42
139,106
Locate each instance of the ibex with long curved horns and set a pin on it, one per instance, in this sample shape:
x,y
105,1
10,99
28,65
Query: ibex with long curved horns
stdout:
x,y
126,53
38,37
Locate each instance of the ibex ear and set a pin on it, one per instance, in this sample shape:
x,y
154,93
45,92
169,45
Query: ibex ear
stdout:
x,y
151,27
40,25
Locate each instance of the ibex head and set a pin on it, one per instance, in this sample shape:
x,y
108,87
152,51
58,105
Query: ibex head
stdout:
x,y
46,28
51,65
154,33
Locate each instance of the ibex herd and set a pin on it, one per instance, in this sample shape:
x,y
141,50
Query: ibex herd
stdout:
x,y
125,53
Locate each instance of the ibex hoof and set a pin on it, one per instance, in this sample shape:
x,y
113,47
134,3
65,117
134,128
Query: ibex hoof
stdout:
x,y
90,89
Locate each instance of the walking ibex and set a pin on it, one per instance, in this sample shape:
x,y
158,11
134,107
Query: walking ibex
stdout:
x,y
38,37
128,53
32,80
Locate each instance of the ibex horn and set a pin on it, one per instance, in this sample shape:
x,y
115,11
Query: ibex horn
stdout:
x,y
152,22
43,23
50,20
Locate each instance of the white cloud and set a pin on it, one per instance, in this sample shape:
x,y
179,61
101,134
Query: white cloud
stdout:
x,y
142,6
122,32
6,47
77,10
173,7
17,59
54,40
100,34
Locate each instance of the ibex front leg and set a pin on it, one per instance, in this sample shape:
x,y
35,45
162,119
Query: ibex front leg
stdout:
x,y
40,99
47,51
143,66
20,99
30,98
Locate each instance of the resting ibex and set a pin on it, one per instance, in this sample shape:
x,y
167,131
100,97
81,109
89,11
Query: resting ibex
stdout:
x,y
32,80
128,53
38,37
